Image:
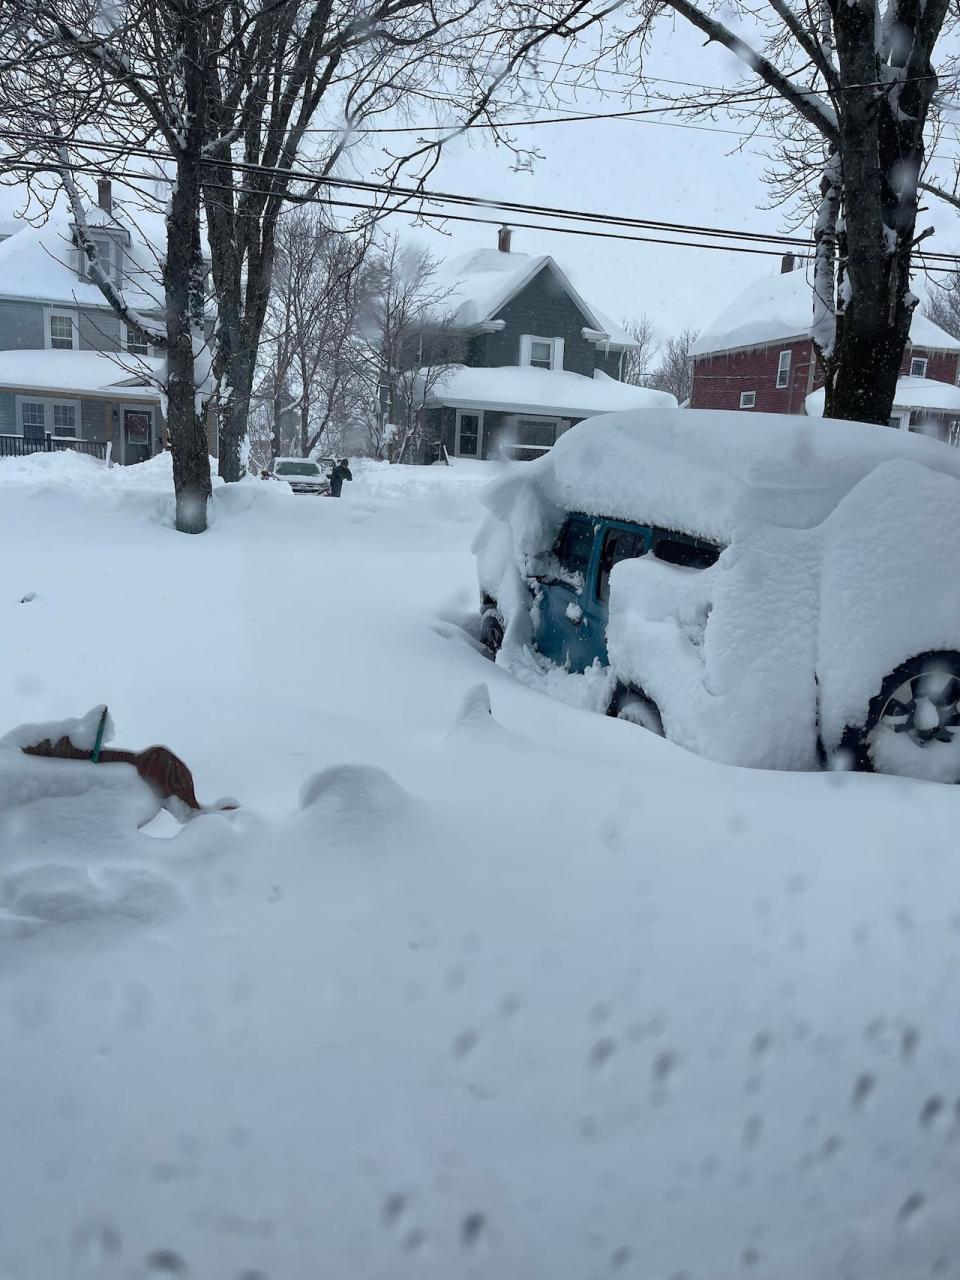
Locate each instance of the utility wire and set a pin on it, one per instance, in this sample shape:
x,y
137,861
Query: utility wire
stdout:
x,y
382,211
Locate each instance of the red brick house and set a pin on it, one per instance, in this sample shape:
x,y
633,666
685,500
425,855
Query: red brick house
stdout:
x,y
758,354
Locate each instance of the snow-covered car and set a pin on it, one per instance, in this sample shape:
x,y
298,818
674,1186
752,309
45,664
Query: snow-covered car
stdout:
x,y
303,475
764,590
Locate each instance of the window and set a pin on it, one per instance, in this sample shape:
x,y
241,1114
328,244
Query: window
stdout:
x,y
64,419
748,399
619,544
61,331
688,553
37,417
575,544
297,469
107,258
33,417
783,369
541,353
135,344
536,433
918,367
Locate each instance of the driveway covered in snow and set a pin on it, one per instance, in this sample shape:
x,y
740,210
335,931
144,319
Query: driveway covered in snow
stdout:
x,y
474,983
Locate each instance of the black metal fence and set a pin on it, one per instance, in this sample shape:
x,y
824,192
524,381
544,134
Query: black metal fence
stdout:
x,y
23,446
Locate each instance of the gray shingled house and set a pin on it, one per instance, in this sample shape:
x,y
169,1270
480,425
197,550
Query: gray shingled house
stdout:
x,y
71,374
537,357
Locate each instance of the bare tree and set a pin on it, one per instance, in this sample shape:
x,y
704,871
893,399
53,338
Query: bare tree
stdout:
x,y
406,344
943,305
308,358
638,361
674,371
848,89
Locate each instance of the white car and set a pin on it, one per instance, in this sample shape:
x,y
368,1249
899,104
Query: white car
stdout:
x,y
764,590
303,475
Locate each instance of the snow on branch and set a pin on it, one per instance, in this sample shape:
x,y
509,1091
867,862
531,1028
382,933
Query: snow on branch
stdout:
x,y
809,105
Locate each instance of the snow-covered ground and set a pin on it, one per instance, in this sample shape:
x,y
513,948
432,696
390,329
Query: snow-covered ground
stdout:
x,y
452,994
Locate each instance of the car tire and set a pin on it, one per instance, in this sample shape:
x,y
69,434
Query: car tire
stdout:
x,y
491,631
912,725
635,707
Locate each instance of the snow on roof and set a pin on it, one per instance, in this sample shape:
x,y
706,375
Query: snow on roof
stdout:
x,y
780,307
475,285
40,263
701,470
912,393
522,389
81,373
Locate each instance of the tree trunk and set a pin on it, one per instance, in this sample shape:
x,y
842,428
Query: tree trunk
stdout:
x,y
183,282
881,151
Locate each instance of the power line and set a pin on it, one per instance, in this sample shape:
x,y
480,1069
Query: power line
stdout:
x,y
474,219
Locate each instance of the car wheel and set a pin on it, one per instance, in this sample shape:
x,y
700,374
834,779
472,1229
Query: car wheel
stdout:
x,y
636,708
913,723
491,631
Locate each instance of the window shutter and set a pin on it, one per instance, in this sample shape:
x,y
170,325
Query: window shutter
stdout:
x,y
557,354
524,348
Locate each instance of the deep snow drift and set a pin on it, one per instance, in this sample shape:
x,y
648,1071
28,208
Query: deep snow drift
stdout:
x,y
474,984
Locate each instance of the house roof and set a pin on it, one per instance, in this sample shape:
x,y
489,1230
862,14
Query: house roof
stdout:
x,y
556,392
476,285
39,263
81,373
912,393
781,307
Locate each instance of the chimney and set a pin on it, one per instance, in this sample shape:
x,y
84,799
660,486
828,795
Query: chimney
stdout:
x,y
104,195
786,264
503,239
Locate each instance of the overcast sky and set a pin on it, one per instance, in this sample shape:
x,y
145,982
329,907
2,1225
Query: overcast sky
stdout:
x,y
648,170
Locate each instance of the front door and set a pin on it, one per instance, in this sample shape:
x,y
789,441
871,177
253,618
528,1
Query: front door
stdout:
x,y
137,433
468,435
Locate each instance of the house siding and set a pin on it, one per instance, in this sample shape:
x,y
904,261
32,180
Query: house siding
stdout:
x,y
21,326
99,330
941,365
719,380
543,308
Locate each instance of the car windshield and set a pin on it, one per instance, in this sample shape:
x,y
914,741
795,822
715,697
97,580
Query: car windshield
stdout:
x,y
298,468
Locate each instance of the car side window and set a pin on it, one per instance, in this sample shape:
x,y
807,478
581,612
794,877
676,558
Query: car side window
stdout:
x,y
619,544
688,553
575,544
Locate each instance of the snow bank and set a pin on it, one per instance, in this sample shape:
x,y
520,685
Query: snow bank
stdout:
x,y
573,1003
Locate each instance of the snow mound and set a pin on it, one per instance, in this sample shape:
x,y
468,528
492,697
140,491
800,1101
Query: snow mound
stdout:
x,y
71,846
82,731
354,800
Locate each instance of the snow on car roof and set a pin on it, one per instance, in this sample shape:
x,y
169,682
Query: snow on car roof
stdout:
x,y
475,285
701,471
780,307
525,389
